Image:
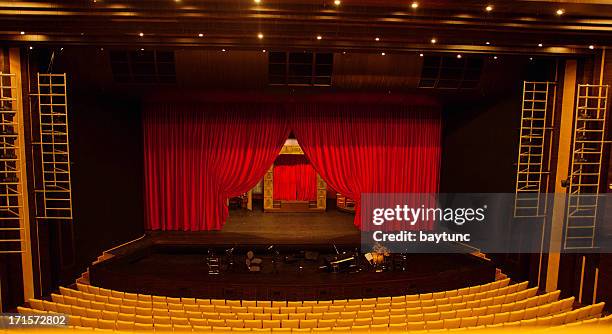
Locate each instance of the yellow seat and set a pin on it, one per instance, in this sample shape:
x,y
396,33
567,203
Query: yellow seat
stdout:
x,y
91,313
264,303
255,309
344,322
162,327
348,315
244,316
262,330
89,322
312,323
191,308
294,304
276,303
298,316
198,322
216,322
278,316
285,309
177,313
108,315
182,328
469,321
227,315
320,309
338,308
399,327
262,316
234,303
544,321
362,322
415,326
106,324
501,318
436,324
452,323
314,316
162,320
485,320
142,327
286,323
124,325
180,321
326,322
234,323
249,303
270,323
379,320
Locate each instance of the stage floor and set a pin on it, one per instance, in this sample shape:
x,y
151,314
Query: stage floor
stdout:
x,y
255,227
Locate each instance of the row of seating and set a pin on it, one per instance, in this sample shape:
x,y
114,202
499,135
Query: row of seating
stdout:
x,y
341,319
100,310
381,307
585,313
268,303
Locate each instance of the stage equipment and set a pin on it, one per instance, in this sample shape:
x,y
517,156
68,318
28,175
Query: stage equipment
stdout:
x,y
213,262
535,143
253,263
586,166
344,203
339,263
12,219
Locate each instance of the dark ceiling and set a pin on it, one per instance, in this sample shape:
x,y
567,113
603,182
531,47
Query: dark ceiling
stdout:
x,y
515,26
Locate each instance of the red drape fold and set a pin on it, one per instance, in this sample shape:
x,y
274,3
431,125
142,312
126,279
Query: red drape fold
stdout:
x,y
197,157
294,179
371,148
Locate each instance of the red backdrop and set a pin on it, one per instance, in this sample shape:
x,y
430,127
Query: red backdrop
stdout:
x,y
198,155
294,178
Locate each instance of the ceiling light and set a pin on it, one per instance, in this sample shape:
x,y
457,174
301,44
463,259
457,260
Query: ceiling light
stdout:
x,y
141,49
540,44
494,57
560,11
260,36
487,43
383,54
140,34
223,50
264,50
200,35
591,47
434,41
530,58
257,1
459,56
415,5
343,52
377,39
337,2
23,32
420,55
319,37
489,8
31,47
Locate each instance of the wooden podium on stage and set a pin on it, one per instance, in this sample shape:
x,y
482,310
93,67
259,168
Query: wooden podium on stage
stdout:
x,y
272,205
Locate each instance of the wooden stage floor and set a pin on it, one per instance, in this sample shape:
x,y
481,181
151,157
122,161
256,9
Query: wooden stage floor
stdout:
x,y
259,228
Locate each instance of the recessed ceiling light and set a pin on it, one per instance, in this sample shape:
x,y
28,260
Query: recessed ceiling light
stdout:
x,y
22,33
260,35
141,34
420,55
337,2
415,5
530,58
223,50
343,52
264,50
200,35
540,44
560,11
31,47
141,49
319,37
257,1
383,54
434,41
459,56
494,57
377,39
488,43
489,8
591,47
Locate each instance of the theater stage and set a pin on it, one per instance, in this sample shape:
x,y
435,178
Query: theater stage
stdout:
x,y
174,263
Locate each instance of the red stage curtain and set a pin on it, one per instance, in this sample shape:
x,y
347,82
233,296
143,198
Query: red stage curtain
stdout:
x,y
371,148
294,178
198,156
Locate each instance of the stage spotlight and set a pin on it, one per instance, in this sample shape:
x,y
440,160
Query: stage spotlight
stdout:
x,y
264,50
319,37
22,33
260,36
377,39
337,2
494,57
434,41
414,5
200,35
257,1
383,54
140,34
591,47
223,50
489,8
488,43
560,11
540,44
421,55
459,56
